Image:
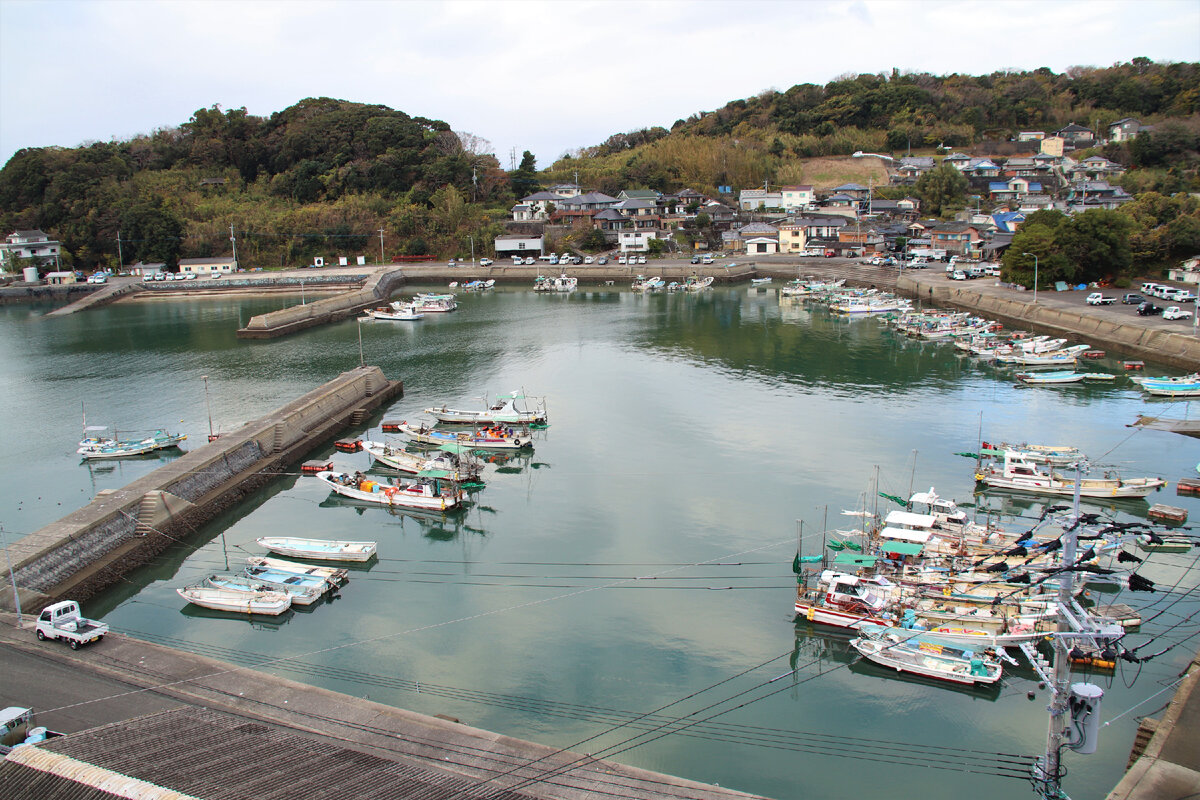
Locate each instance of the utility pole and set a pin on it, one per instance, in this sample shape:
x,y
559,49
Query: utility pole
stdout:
x,y
233,241
120,257
381,257
472,238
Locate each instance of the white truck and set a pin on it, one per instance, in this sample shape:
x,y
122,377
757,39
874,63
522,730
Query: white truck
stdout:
x,y
1175,312
1098,299
63,621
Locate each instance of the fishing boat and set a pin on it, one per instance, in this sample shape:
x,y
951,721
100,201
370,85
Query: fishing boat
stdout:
x,y
397,311
644,284
759,281
845,600
335,575
450,458
122,448
318,549
430,303
479,285
927,656
1053,454
267,603
434,490
509,409
697,284
1172,387
489,438
1053,378
1022,475
303,591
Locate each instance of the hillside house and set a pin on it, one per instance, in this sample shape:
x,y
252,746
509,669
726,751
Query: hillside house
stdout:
x,y
864,237
639,194
798,233
1012,189
1095,194
31,244
854,190
578,211
957,160
758,238
981,168
1023,167
956,237
909,168
565,190
535,207
636,241
223,265
1076,136
1030,136
757,199
1125,129
797,198
1094,168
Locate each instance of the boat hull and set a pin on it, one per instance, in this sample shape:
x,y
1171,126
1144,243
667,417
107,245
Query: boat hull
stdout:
x,y
398,497
926,664
318,549
270,604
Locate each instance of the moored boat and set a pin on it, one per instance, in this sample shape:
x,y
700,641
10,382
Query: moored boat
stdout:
x,y
303,591
451,458
266,603
434,490
491,438
100,448
509,409
1022,475
318,549
915,653
335,575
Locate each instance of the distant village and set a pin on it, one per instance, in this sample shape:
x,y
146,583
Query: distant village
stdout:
x,y
844,220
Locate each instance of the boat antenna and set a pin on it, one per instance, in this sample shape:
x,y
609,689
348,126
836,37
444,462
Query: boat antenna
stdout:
x,y
979,452
912,475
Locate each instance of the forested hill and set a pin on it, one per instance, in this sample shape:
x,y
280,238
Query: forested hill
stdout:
x,y
222,163
922,110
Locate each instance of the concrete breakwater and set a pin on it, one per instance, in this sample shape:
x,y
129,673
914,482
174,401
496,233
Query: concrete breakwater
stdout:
x,y
1169,347
93,547
376,289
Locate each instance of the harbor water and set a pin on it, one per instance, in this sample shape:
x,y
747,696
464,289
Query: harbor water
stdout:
x,y
625,589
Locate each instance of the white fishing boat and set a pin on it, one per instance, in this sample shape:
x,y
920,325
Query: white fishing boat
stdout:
x,y
870,305
644,284
759,281
397,311
456,461
1022,475
1054,454
102,448
1066,357
1053,378
509,409
435,303
697,284
335,575
845,600
564,283
266,603
489,438
318,549
303,591
434,490
908,651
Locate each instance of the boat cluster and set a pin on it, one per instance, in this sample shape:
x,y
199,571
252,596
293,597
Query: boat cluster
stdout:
x,y
931,593
843,300
270,586
96,446
693,283
563,283
443,461
414,309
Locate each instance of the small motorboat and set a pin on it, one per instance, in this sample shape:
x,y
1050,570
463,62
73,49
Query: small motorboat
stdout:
x,y
246,602
318,549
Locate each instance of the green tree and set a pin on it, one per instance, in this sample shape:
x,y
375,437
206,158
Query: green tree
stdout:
x,y
152,233
595,241
523,179
941,188
1096,245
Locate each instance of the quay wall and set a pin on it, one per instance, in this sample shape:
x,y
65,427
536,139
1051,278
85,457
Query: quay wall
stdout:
x,y
1176,349
375,289
92,548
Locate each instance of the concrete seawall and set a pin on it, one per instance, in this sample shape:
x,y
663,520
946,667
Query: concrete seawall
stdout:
x,y
375,290
90,549
1176,349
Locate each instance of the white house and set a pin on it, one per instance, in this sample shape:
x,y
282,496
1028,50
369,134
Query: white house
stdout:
x,y
797,197
29,244
1125,129
518,245
637,241
207,266
754,199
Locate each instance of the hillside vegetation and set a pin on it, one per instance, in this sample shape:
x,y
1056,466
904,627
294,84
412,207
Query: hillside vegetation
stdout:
x,y
324,176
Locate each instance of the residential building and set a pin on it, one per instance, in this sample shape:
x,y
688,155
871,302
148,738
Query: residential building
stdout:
x,y
981,168
507,245
756,199
1007,221
637,241
1012,189
31,244
639,194
797,198
1086,195
1025,167
1094,168
565,190
1053,146
864,237
1030,136
956,237
957,160
855,190
223,265
798,233
1076,136
1125,129
536,206
580,210
913,167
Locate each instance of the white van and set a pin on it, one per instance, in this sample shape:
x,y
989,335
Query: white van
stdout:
x,y
1148,288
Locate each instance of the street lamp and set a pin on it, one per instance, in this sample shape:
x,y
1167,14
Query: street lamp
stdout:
x,y
1034,274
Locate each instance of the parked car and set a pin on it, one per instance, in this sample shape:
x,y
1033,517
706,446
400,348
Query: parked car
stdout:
x,y
602,260
191,276
695,259
99,277
1148,309
62,620
529,261
641,259
1184,296
991,269
1175,312
588,259
1098,299
622,260
1132,299
485,262
707,259
958,275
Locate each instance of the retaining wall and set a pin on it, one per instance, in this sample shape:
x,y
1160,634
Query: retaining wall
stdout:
x,y
1176,349
376,289
92,548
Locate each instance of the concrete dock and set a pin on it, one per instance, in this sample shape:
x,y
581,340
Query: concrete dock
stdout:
x,y
93,547
396,753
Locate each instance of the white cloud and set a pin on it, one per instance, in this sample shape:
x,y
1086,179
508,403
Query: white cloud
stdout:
x,y
543,76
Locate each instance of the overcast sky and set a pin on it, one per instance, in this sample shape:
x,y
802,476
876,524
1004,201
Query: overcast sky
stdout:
x,y
542,76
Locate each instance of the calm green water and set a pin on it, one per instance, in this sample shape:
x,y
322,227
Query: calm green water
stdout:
x,y
625,590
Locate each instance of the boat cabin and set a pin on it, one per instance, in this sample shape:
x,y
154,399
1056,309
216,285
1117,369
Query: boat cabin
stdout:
x,y
853,592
